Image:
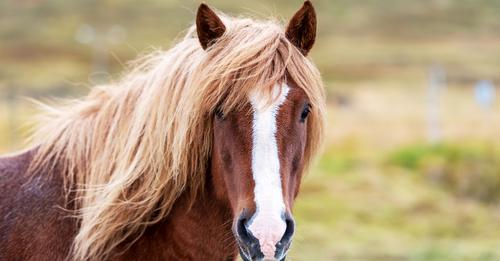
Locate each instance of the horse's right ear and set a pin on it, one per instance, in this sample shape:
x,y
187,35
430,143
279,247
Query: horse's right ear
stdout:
x,y
208,26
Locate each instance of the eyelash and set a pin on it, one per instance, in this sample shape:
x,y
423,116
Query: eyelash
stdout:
x,y
305,112
219,114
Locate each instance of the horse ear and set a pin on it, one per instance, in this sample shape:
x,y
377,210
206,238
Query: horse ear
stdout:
x,y
301,29
208,26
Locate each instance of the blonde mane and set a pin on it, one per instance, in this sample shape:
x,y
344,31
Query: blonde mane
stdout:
x,y
129,150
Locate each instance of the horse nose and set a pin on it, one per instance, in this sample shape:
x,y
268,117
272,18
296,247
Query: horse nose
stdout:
x,y
250,246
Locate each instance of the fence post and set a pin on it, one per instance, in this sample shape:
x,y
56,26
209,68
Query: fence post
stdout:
x,y
436,83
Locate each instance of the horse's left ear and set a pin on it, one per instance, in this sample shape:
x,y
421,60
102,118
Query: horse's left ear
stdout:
x,y
208,26
301,29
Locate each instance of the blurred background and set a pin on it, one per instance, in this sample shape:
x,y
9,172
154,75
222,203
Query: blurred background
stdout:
x,y
411,163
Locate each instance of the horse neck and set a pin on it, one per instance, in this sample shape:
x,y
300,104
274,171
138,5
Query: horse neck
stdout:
x,y
199,230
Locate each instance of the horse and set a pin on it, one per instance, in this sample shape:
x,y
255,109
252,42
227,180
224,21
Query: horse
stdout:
x,y
195,153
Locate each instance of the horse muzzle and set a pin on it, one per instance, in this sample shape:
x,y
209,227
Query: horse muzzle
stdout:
x,y
270,242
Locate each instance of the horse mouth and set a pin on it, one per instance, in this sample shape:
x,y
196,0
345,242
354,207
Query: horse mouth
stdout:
x,y
253,253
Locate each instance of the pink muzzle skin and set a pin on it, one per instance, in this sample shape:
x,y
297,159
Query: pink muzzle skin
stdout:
x,y
268,232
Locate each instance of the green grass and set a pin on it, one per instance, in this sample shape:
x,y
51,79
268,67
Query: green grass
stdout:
x,y
385,213
466,170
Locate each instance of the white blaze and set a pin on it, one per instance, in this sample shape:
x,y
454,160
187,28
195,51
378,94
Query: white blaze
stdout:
x,y
267,225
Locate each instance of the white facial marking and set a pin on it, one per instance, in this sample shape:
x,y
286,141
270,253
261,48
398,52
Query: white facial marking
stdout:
x,y
267,225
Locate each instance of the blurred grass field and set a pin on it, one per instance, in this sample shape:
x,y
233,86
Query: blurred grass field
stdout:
x,y
380,190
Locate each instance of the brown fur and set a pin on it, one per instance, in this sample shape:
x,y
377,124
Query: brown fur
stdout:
x,y
33,226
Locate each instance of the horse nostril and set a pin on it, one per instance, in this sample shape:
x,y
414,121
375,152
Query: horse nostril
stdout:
x,y
287,237
241,229
249,245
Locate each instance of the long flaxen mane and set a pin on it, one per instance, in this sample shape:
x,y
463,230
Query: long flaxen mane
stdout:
x,y
129,149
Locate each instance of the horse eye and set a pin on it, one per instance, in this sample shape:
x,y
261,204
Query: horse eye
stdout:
x,y
305,112
219,114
